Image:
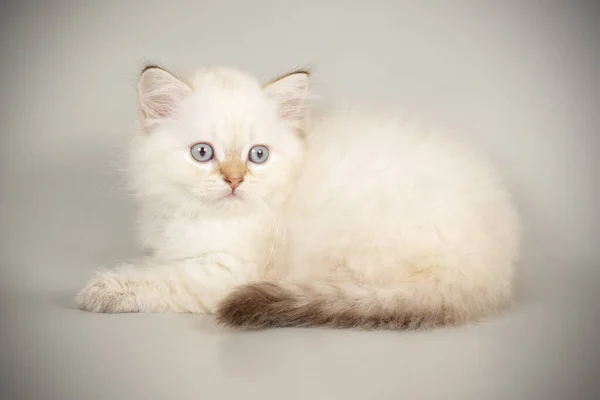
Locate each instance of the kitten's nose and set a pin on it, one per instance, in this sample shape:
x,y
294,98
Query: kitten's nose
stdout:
x,y
233,182
233,170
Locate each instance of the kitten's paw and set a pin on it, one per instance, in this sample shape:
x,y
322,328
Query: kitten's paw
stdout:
x,y
106,293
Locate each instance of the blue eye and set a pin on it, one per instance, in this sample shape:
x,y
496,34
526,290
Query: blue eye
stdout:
x,y
202,152
258,154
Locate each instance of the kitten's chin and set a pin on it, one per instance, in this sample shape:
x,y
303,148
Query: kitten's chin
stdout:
x,y
231,197
229,201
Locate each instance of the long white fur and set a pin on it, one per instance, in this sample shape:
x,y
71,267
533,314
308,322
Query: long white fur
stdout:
x,y
385,206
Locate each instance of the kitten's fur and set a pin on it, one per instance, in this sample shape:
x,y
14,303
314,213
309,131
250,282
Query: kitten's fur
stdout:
x,y
355,220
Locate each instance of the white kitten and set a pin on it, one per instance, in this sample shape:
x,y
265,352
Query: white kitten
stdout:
x,y
267,219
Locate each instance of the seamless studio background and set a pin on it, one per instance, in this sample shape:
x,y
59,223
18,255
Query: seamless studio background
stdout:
x,y
521,78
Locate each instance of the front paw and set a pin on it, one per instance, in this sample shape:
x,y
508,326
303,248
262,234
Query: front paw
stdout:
x,y
106,293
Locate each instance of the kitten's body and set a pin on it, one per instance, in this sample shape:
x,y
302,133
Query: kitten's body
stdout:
x,y
357,219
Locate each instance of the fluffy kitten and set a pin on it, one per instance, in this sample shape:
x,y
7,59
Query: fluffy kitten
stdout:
x,y
268,219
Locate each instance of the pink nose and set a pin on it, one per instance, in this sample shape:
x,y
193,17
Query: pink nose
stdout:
x,y
233,182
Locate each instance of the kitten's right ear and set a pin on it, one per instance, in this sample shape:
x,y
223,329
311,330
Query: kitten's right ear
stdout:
x,y
159,94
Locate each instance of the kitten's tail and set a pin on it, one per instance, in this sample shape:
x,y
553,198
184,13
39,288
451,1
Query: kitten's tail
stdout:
x,y
347,305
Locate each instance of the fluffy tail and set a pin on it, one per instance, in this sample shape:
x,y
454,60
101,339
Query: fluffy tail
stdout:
x,y
345,305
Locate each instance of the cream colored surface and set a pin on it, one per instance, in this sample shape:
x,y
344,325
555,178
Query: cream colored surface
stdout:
x,y
521,76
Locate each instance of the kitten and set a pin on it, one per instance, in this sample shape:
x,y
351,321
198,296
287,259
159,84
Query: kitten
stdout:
x,y
267,218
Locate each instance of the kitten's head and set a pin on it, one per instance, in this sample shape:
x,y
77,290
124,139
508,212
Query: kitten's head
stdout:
x,y
220,139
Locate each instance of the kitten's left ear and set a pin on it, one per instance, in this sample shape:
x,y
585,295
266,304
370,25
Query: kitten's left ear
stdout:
x,y
290,92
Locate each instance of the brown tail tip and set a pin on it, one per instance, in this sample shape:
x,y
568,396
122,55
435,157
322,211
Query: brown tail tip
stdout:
x,y
254,306
266,305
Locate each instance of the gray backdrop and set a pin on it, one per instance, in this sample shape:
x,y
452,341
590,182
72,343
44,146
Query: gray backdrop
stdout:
x,y
520,77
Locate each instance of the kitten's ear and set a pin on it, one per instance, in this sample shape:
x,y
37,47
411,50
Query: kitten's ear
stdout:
x,y
159,94
290,92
